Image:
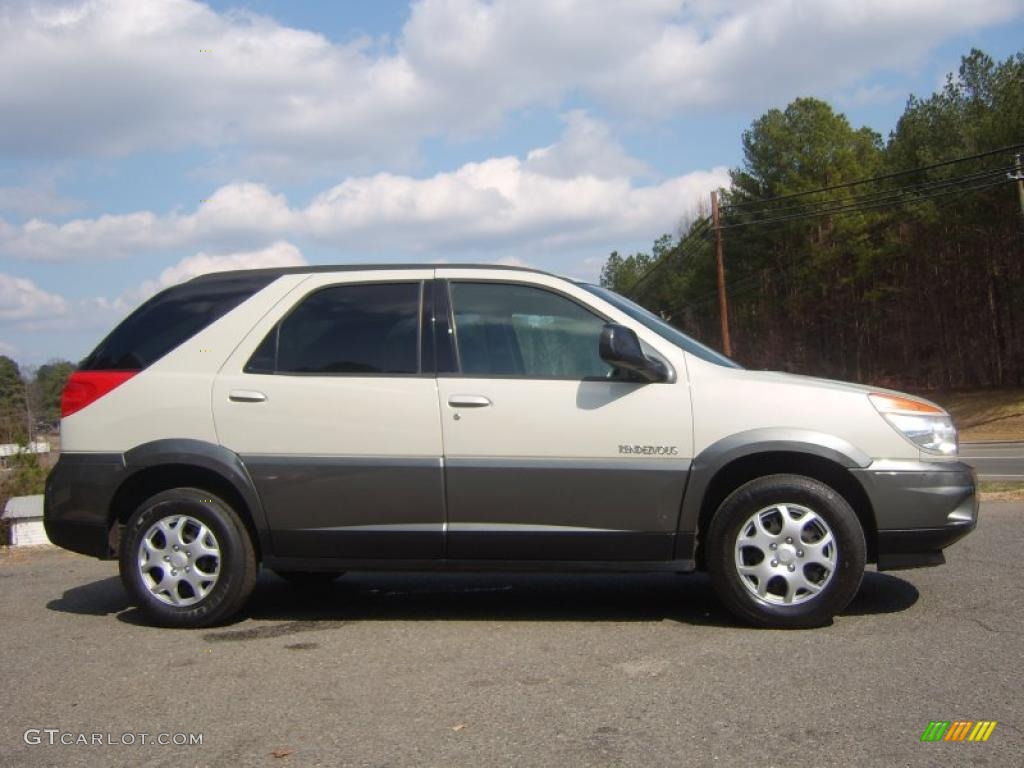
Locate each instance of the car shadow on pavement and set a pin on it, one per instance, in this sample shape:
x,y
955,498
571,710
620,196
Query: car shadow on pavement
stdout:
x,y
484,597
100,598
882,593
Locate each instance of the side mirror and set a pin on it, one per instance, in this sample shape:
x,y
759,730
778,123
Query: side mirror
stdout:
x,y
621,347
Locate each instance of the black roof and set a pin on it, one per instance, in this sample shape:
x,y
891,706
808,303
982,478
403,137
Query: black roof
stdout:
x,y
274,272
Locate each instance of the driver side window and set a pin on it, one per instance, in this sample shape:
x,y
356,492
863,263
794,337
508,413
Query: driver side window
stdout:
x,y
505,329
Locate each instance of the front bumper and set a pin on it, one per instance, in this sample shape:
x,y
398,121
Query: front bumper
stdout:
x,y
79,491
920,509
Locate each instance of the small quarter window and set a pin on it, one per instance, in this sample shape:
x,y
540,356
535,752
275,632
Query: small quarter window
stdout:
x,y
171,318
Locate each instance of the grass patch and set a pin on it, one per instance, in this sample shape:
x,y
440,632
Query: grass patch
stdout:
x,y
986,415
994,490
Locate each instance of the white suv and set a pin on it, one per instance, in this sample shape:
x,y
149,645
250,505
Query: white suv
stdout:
x,y
325,419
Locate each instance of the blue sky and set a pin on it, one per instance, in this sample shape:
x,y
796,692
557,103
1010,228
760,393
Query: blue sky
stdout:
x,y
146,141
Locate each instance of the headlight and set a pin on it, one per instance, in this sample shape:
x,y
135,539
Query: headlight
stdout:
x,y
925,424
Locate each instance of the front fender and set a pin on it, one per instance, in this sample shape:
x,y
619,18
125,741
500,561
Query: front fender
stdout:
x,y
751,442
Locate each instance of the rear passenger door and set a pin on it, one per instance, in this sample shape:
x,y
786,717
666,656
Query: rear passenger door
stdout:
x,y
539,430
330,407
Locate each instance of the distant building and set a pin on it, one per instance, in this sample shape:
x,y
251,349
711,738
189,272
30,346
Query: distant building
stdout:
x,y
11,449
26,516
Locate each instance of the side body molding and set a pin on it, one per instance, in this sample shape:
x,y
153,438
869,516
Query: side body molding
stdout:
x,y
750,443
216,458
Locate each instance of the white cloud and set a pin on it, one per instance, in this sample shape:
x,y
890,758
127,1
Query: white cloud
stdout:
x,y
500,203
515,261
22,300
870,94
279,254
237,214
586,148
765,53
286,99
552,198
26,308
39,198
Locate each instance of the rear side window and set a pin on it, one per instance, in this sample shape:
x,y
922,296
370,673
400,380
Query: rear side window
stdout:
x,y
366,328
171,318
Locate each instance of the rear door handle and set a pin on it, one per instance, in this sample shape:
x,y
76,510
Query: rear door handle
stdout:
x,y
468,401
246,396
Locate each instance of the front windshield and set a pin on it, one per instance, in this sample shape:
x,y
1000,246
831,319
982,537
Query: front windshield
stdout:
x,y
653,322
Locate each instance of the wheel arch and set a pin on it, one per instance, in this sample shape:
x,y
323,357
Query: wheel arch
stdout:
x,y
164,464
726,465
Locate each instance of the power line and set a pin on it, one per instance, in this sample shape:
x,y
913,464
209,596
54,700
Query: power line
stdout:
x,y
919,192
899,200
902,200
708,297
1009,149
672,255
821,206
895,195
769,226
678,249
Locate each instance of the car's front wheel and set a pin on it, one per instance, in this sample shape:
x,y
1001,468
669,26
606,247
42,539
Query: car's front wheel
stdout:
x,y
187,559
785,551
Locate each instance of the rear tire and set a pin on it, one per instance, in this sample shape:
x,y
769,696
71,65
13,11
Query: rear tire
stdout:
x,y
785,551
187,559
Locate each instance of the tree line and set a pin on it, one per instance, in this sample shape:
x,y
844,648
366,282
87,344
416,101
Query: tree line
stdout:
x,y
896,262
29,409
30,399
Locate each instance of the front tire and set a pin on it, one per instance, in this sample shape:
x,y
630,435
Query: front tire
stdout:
x,y
187,559
785,551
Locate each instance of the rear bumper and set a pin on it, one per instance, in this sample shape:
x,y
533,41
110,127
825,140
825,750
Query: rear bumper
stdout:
x,y
79,490
920,509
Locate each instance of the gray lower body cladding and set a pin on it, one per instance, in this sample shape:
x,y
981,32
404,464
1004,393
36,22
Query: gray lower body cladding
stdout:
x,y
79,491
415,510
349,507
474,509
920,509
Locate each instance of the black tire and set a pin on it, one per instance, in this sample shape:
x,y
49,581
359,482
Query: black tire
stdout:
x,y
739,593
235,563
310,579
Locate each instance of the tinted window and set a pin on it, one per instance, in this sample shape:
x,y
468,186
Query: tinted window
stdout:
x,y
365,328
516,330
169,319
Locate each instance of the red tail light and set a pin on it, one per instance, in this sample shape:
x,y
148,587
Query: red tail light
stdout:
x,y
85,387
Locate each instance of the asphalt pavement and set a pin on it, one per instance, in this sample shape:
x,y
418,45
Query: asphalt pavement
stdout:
x,y
522,670
995,461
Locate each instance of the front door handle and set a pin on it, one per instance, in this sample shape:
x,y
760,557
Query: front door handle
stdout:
x,y
246,396
468,401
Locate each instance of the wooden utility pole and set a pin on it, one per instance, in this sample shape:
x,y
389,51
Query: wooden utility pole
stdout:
x,y
1019,176
723,303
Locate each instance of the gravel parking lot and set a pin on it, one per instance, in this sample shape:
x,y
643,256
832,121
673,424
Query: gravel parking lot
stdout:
x,y
524,670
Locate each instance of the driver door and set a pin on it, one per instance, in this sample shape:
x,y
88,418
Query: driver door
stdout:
x,y
538,438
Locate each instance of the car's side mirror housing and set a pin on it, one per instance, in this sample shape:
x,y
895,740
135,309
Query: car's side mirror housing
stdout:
x,y
621,347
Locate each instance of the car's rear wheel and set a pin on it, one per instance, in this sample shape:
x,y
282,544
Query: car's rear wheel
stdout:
x,y
187,559
785,551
